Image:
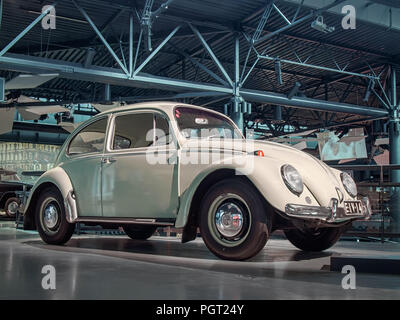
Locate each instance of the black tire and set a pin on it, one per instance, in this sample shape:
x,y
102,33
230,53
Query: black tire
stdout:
x,y
314,240
232,196
139,232
10,201
61,232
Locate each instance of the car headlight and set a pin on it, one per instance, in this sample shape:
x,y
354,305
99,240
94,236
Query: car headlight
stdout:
x,y
349,184
292,179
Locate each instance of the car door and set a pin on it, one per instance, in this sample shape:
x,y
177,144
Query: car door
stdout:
x,y
83,166
139,180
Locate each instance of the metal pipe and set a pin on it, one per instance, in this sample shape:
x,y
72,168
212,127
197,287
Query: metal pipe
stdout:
x,y
99,34
107,92
394,146
312,104
274,33
114,76
198,94
237,114
278,113
27,29
201,66
211,53
237,65
138,49
281,14
162,44
91,52
1,12
302,64
131,44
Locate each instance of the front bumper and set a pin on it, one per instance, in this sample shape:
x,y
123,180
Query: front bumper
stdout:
x,y
331,214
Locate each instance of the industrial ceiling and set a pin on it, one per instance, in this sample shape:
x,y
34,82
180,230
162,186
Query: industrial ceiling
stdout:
x,y
210,53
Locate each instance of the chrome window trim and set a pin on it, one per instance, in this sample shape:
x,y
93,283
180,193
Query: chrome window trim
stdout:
x,y
140,150
85,125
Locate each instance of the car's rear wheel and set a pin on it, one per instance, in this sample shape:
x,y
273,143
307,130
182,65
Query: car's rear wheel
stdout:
x,y
314,239
234,220
51,221
139,232
11,207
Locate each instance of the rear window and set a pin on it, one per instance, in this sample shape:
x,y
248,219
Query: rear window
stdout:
x,y
197,123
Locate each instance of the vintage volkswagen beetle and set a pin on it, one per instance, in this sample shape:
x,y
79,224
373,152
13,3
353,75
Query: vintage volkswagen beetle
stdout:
x,y
169,164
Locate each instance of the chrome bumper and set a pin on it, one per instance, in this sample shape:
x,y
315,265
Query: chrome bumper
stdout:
x,y
330,214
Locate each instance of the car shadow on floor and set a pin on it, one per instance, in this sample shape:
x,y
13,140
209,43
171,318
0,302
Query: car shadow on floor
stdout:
x,y
174,248
273,261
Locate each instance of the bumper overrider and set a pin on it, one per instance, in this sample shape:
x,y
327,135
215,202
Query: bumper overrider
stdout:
x,y
333,214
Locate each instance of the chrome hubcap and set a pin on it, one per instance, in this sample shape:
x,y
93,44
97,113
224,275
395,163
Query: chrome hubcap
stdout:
x,y
50,217
12,207
229,219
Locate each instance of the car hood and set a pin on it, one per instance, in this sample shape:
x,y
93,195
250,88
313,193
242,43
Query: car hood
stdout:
x,y
301,160
322,180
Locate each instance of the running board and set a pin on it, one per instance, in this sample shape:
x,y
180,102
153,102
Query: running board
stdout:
x,y
158,222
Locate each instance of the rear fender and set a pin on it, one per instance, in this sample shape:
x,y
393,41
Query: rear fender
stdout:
x,y
59,179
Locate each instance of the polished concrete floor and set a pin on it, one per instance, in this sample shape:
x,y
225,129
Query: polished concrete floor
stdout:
x,y
104,267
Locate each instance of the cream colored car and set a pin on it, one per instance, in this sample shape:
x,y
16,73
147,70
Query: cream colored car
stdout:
x,y
158,164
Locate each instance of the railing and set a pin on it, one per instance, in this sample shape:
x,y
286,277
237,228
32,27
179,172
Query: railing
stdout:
x,y
375,181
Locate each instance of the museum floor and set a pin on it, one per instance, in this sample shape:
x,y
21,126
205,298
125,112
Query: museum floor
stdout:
x,y
115,267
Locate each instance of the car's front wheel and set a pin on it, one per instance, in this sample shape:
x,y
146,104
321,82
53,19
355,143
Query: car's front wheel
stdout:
x,y
51,221
314,239
234,220
11,207
139,232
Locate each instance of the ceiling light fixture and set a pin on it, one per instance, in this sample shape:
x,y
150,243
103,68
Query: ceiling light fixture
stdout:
x,y
318,24
370,87
295,90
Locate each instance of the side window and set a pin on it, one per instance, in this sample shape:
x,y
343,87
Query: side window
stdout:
x,y
131,131
162,134
90,139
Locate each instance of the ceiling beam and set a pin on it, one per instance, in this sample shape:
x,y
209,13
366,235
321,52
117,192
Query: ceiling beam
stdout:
x,y
117,77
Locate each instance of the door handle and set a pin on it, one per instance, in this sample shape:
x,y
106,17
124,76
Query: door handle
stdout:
x,y
172,159
108,160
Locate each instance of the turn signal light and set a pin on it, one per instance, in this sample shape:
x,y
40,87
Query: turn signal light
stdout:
x,y
259,153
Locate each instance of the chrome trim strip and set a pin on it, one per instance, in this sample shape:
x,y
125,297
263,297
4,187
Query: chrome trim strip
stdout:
x,y
124,221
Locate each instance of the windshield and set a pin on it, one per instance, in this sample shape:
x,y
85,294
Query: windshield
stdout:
x,y
196,123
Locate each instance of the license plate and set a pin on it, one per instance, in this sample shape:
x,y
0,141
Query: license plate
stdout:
x,y
353,207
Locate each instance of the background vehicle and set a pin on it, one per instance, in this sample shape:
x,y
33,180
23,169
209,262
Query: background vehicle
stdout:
x,y
10,183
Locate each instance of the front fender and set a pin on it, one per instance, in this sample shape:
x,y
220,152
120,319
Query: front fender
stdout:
x,y
263,172
188,193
